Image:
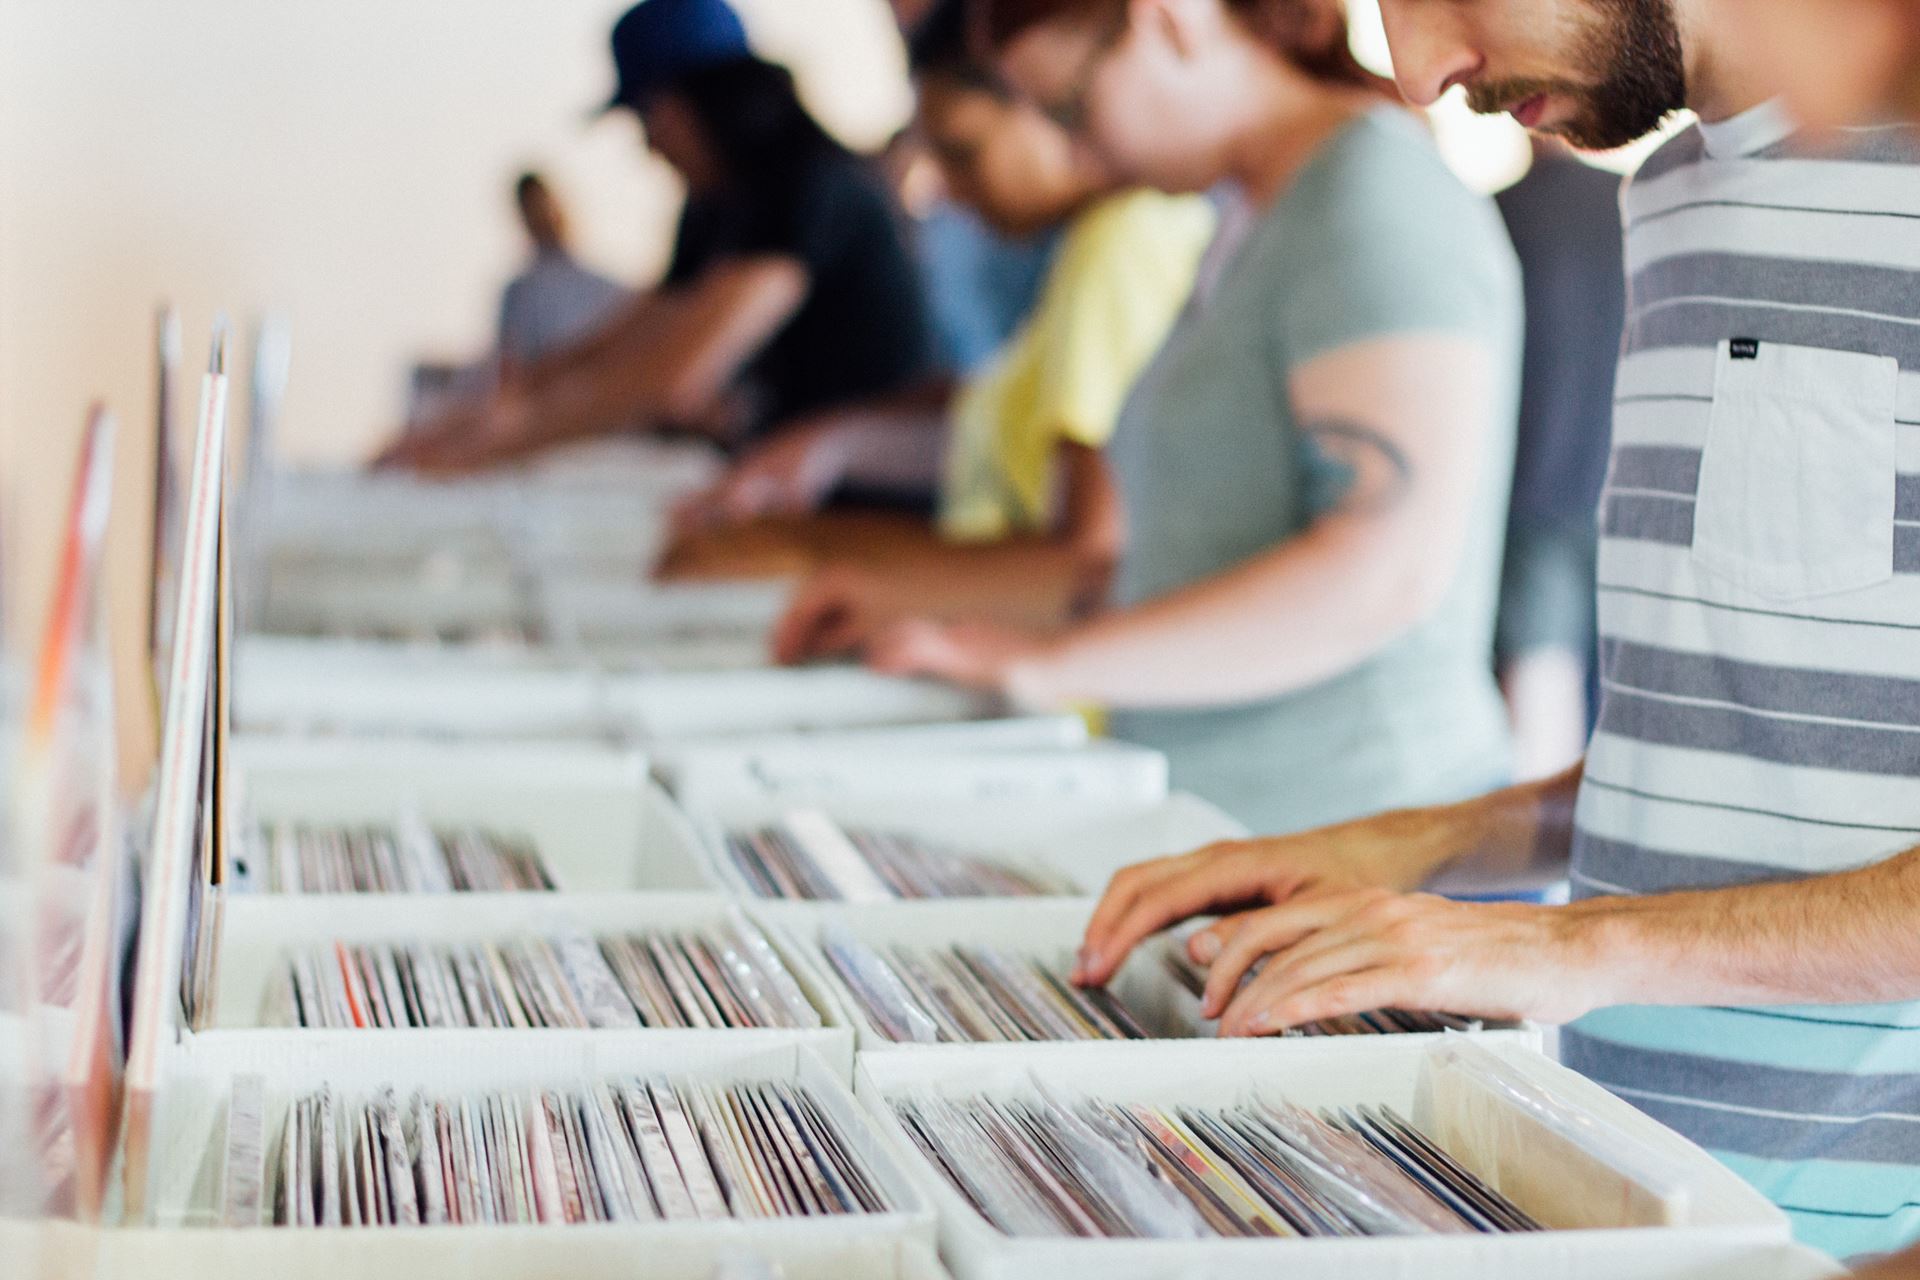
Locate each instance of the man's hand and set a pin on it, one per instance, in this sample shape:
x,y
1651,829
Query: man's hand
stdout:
x,y
836,613
1391,851
789,475
466,438
1372,949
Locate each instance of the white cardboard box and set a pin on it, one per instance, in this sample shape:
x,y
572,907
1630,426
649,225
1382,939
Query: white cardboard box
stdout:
x,y
1731,1224
596,818
501,1253
308,686
958,737
687,705
261,932
627,625
51,1250
430,598
287,684
189,1136
1095,773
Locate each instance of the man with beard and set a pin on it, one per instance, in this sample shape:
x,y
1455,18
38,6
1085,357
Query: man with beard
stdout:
x,y
1742,958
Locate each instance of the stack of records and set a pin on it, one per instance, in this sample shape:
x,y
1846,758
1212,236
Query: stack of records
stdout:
x,y
966,994
1376,1022
407,858
622,1152
726,975
1049,1167
809,856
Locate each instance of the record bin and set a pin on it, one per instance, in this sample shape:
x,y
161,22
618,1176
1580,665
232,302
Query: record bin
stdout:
x,y
592,813
1726,1225
683,706
292,685
732,755
189,1146
1081,843
1102,772
261,933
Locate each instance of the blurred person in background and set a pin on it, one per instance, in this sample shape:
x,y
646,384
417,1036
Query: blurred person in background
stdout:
x,y
1564,219
1743,835
1027,504
981,283
790,289
554,301
1314,473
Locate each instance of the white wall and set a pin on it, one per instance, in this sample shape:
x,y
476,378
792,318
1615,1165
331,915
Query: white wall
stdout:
x,y
343,161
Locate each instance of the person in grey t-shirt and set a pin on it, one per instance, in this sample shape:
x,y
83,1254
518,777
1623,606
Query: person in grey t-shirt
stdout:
x,y
554,300
1314,474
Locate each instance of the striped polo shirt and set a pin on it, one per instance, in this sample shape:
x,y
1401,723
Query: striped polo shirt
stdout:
x,y
1760,630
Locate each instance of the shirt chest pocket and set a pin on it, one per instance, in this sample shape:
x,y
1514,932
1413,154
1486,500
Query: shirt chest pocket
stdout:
x,y
1796,488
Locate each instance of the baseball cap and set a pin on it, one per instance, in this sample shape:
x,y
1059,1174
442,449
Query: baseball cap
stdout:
x,y
658,41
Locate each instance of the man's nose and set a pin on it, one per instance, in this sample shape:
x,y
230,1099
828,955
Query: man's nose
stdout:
x,y
1431,53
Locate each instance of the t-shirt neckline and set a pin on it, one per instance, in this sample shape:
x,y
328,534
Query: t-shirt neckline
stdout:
x,y
1752,131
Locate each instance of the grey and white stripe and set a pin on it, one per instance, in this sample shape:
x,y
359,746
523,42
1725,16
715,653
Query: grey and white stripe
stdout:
x,y
1743,738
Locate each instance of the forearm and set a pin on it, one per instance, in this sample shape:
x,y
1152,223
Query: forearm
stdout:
x,y
1846,938
1300,614
672,360
587,403
1026,581
625,329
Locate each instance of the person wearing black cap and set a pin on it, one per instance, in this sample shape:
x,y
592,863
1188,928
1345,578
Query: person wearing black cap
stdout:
x,y
791,287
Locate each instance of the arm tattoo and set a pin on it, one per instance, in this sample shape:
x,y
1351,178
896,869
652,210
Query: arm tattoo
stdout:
x,y
1351,467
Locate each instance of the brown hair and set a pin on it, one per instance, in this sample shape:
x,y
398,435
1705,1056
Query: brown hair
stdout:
x,y
1311,34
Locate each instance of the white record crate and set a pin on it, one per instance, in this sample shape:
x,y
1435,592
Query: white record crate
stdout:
x,y
596,819
334,686
1026,733
628,625
188,1144
1728,1223
261,933
433,597
345,514
1098,773
1084,842
1045,928
498,1253
679,706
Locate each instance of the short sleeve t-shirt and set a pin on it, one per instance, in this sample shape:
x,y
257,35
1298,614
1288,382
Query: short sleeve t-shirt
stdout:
x,y
552,303
1375,237
863,330
1124,269
981,285
1760,636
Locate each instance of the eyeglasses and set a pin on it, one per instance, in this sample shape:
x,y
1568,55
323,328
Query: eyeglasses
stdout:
x,y
1070,112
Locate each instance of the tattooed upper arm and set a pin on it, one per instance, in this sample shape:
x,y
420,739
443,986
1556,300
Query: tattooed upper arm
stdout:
x,y
1353,468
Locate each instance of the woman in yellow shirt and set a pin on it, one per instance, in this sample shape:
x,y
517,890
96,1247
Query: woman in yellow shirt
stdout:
x,y
1027,512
